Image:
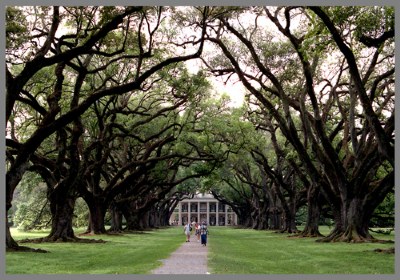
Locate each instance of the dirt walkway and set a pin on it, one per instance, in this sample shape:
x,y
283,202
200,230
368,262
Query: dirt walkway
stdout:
x,y
190,258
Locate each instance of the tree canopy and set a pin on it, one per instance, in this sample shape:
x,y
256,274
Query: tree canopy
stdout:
x,y
103,109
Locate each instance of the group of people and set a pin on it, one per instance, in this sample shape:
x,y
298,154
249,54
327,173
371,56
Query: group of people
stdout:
x,y
201,232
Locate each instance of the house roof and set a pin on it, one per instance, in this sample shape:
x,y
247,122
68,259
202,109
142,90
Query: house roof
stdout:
x,y
201,196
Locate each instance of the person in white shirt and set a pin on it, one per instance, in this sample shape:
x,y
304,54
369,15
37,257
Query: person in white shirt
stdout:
x,y
186,230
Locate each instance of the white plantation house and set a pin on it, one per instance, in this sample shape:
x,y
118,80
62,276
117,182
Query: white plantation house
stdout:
x,y
203,207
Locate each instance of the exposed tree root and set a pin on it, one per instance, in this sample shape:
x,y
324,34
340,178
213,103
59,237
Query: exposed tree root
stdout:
x,y
351,236
382,231
93,232
309,232
115,232
109,232
87,233
25,249
382,241
131,231
385,251
290,231
61,240
310,235
307,235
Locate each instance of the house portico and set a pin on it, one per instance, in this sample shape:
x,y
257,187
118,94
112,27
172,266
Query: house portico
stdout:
x,y
203,208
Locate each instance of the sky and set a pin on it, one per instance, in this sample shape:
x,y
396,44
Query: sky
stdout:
x,y
233,88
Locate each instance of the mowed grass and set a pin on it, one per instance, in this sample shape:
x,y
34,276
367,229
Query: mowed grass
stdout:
x,y
245,251
231,251
122,254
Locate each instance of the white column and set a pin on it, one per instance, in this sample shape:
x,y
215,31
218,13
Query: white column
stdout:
x,y
226,215
180,213
216,213
189,211
208,212
198,212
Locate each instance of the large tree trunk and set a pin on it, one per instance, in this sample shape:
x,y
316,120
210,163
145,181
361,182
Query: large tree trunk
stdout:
x,y
144,219
164,216
356,229
97,212
259,214
274,212
351,223
289,220
263,217
13,177
12,245
254,218
132,216
62,210
289,210
161,214
353,212
153,219
311,228
275,218
158,217
244,219
10,242
133,221
116,219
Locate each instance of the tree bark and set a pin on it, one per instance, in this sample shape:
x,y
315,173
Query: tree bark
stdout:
x,y
351,223
62,210
132,221
116,219
11,244
263,215
275,218
97,212
159,217
144,218
254,217
289,225
311,228
13,177
244,219
132,216
356,229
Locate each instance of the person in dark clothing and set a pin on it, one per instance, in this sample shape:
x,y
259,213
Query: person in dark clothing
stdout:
x,y
203,233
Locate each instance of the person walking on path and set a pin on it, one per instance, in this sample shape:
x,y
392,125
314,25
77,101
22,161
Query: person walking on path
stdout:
x,y
186,230
189,258
203,234
197,232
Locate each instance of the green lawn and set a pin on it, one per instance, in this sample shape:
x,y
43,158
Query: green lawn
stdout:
x,y
231,251
123,254
244,251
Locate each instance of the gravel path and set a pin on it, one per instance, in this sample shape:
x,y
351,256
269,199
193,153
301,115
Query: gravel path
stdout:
x,y
190,258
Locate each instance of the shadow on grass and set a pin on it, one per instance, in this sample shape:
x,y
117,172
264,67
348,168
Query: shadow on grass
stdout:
x,y
385,251
61,240
24,249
